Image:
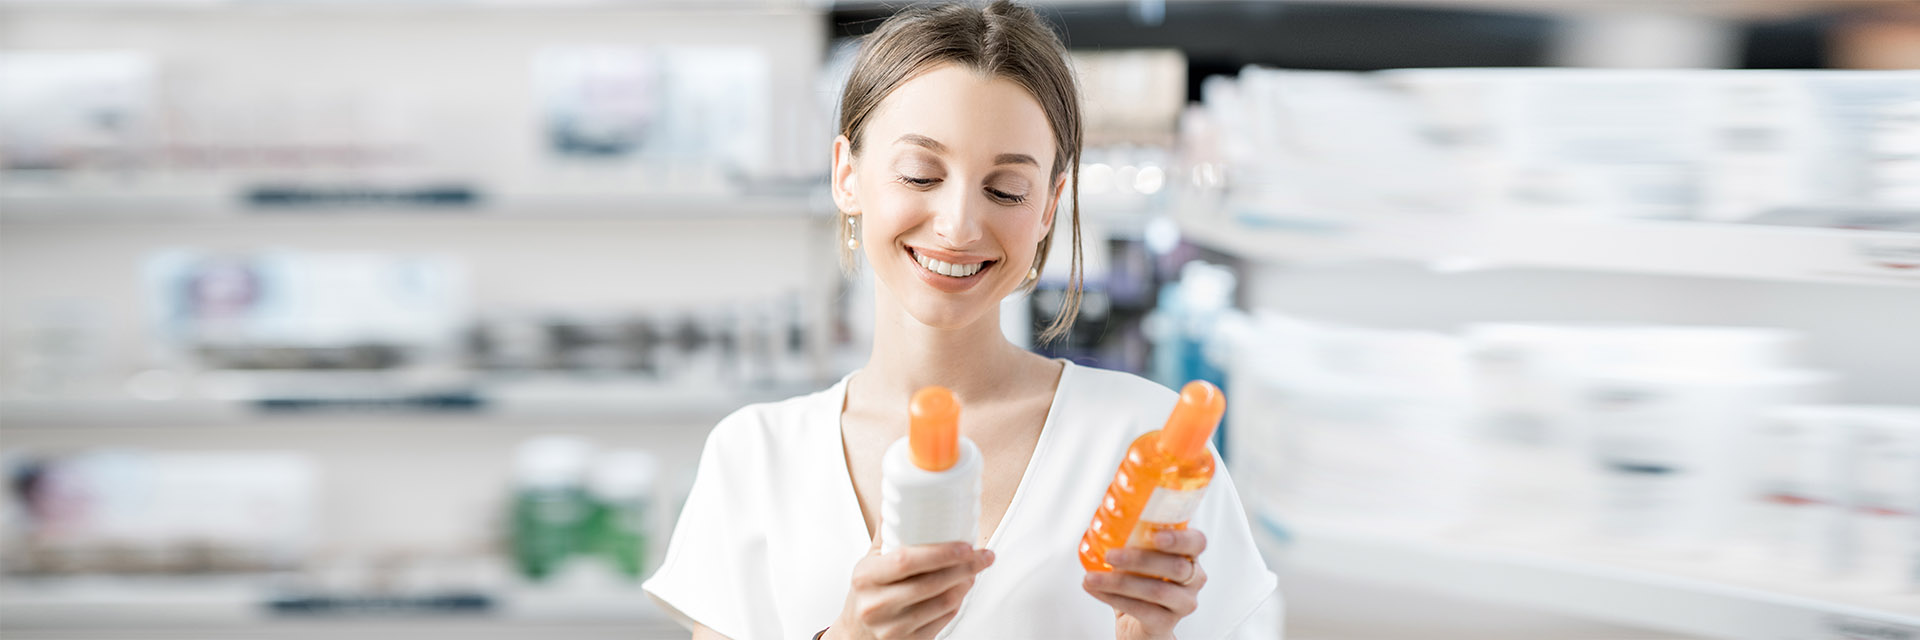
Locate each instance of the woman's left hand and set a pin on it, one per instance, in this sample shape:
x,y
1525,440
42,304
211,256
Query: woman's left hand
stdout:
x,y
1152,589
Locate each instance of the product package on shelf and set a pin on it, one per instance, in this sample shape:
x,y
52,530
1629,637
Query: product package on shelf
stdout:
x,y
1359,425
1669,443
132,511
1834,493
692,118
1714,145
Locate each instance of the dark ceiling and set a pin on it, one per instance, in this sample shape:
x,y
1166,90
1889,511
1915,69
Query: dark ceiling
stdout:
x,y
1222,37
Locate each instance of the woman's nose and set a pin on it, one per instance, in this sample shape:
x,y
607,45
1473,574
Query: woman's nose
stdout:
x,y
958,219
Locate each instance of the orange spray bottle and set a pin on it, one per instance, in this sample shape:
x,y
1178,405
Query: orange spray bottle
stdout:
x,y
1160,481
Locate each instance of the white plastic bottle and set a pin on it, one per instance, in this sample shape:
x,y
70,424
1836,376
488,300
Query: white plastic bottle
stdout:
x,y
930,480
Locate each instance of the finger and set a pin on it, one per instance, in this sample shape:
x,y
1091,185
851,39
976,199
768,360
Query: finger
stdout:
x,y
885,604
1146,612
1157,564
907,562
904,595
1185,542
942,605
933,628
1176,599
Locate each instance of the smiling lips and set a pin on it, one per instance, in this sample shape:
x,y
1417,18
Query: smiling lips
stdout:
x,y
947,268
954,270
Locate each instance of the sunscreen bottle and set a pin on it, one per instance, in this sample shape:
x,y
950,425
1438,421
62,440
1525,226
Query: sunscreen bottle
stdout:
x,y
930,480
1160,481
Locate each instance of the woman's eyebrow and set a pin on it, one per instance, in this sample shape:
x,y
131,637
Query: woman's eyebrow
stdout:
x,y
1015,158
935,146
922,141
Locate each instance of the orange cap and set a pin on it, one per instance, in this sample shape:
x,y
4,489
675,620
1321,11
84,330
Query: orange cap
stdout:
x,y
1193,420
934,434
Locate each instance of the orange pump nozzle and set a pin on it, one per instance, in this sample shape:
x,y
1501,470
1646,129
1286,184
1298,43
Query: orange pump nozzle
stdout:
x,y
1193,420
934,435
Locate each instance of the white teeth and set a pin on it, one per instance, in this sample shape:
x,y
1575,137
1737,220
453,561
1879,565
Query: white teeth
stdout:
x,y
947,269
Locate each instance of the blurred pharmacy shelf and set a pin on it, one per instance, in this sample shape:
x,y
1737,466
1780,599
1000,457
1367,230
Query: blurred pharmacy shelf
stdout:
x,y
45,205
154,603
514,401
1448,242
1594,581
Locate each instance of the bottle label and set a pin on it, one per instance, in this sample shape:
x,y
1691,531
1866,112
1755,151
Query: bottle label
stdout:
x,y
1165,509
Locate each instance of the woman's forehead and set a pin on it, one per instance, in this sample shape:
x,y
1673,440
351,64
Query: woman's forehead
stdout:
x,y
969,115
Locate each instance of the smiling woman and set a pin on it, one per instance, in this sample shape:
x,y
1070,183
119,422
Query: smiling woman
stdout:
x,y
960,133
1026,58
958,199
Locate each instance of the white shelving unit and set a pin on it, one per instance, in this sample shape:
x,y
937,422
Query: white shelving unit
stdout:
x,y
225,602
1592,581
1448,241
30,204
1589,579
524,402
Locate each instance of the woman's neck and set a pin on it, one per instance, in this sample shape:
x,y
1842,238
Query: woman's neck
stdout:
x,y
975,361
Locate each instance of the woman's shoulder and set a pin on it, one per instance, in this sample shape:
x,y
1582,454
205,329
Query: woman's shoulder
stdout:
x,y
1092,391
766,426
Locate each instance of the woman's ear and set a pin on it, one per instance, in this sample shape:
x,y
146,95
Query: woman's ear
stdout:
x,y
1053,203
843,178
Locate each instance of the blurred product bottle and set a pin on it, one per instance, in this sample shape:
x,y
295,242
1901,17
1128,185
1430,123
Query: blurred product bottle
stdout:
x,y
1184,319
1883,504
550,504
1160,482
1525,384
621,488
1797,488
1352,424
1892,158
1764,147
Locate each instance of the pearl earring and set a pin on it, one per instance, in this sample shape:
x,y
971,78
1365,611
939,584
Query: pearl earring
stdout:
x,y
853,231
1033,273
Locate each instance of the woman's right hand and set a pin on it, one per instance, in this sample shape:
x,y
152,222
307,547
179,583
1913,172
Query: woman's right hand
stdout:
x,y
912,592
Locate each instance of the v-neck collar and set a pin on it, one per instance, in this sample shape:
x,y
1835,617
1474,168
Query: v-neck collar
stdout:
x,y
849,500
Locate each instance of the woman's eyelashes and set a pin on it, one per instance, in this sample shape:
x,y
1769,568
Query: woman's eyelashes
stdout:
x,y
996,194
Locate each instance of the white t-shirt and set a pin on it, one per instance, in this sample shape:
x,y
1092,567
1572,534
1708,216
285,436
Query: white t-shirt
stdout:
x,y
766,544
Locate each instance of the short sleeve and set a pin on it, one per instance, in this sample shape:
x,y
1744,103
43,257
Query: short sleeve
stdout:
x,y
1240,599
713,573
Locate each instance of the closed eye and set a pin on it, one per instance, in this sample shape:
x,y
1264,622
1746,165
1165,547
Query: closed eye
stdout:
x,y
1006,197
919,182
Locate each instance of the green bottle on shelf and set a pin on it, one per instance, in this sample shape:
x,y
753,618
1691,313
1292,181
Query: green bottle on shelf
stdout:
x,y
622,491
551,510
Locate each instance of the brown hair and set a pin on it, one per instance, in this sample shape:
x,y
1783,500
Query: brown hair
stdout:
x,y
1002,40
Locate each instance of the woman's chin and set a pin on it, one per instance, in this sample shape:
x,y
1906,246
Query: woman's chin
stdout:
x,y
950,314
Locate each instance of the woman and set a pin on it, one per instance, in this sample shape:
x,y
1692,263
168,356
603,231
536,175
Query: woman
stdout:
x,y
959,130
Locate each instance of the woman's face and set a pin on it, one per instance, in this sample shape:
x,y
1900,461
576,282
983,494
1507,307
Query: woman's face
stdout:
x,y
951,191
